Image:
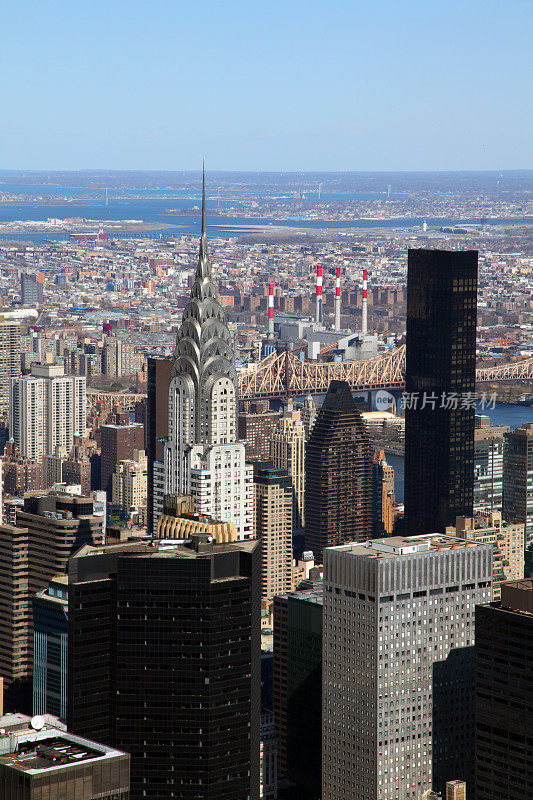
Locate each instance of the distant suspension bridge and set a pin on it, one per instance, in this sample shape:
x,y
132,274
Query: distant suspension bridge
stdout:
x,y
283,374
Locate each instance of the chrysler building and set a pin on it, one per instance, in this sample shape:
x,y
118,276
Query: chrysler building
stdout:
x,y
203,456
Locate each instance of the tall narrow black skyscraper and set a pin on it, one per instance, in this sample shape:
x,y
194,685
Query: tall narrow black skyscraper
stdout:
x,y
338,474
440,384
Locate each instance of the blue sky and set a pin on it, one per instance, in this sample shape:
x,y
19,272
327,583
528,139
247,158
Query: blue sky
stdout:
x,y
396,84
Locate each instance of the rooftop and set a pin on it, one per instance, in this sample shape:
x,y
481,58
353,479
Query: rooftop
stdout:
x,y
197,546
39,744
394,546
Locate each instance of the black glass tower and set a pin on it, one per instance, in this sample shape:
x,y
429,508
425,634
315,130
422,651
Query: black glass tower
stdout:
x,y
338,474
164,656
440,385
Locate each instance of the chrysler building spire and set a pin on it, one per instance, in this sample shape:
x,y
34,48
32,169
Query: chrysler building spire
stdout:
x,y
203,456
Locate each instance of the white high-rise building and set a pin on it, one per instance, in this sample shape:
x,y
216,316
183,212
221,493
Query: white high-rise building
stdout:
x,y
398,635
203,456
47,409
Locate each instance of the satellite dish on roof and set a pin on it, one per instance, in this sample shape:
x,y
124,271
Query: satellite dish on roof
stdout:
x,y
37,722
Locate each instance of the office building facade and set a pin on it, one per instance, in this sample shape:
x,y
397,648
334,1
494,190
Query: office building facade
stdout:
x,y
50,656
158,382
518,485
287,451
49,529
440,384
257,424
164,657
118,443
298,688
488,468
338,474
273,527
9,359
506,538
504,695
47,411
398,633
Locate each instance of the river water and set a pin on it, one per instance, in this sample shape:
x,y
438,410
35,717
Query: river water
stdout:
x,y
501,414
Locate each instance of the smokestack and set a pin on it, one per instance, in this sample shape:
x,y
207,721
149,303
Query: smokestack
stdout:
x,y
364,319
338,300
101,229
318,295
270,310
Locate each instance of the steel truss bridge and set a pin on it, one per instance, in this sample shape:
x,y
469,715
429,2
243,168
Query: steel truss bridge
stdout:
x,y
285,375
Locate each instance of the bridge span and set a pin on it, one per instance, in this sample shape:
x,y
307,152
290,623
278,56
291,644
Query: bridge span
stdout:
x,y
285,375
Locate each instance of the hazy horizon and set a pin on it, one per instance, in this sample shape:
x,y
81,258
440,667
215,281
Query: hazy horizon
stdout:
x,y
293,86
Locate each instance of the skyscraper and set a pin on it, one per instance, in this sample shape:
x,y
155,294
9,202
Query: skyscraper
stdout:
x,y
518,485
256,427
164,656
338,474
440,385
287,451
308,415
118,442
9,359
504,695
398,664
273,526
298,687
31,288
50,615
156,424
383,500
203,456
47,410
488,468
49,528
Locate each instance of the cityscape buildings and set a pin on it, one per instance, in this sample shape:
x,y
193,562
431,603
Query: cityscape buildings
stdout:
x,y
518,485
398,632
439,385
338,474
507,539
504,695
164,662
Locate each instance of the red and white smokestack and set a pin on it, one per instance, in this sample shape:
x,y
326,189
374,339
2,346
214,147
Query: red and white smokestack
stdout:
x,y
270,310
318,317
338,300
364,319
101,229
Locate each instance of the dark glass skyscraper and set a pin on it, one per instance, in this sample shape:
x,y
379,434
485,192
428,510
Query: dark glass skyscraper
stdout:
x,y
440,384
338,474
164,656
504,695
